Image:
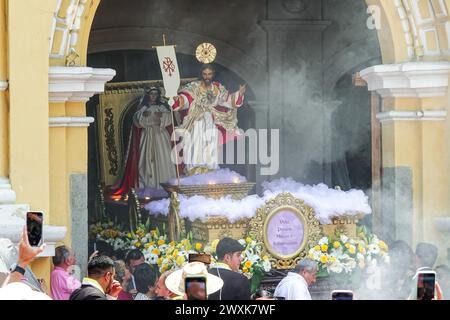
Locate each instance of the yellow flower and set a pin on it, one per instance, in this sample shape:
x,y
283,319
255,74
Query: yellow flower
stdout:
x,y
161,242
324,259
151,243
147,245
180,260
198,246
347,245
317,248
248,240
214,245
245,270
324,248
175,253
361,249
172,243
156,251
383,245
352,249
332,259
248,264
164,268
336,244
129,235
159,261
137,244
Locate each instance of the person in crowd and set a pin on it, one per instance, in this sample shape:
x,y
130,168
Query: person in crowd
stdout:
x,y
426,256
62,284
402,268
15,286
295,285
236,286
443,277
161,289
145,278
175,281
123,275
133,258
100,283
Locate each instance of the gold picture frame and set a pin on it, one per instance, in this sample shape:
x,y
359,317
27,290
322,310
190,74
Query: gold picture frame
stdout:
x,y
312,231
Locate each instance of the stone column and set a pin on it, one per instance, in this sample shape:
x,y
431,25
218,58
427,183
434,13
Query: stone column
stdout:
x,y
415,148
7,195
295,95
69,89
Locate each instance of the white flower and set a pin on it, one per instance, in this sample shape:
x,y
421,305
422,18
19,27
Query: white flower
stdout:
x,y
119,244
335,267
373,249
144,240
323,241
242,242
152,258
266,265
344,238
163,247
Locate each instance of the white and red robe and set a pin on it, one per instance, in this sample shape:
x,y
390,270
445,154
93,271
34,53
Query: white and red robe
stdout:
x,y
211,121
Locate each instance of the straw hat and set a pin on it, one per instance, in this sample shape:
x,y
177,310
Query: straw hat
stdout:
x,y
175,281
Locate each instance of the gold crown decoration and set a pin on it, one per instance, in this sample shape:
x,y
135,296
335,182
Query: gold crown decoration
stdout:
x,y
206,53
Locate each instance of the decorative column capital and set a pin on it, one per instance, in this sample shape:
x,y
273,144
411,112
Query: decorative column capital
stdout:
x,y
423,115
77,84
408,80
70,121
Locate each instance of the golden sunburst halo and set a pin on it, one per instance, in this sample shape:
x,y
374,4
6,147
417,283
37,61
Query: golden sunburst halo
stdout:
x,y
206,53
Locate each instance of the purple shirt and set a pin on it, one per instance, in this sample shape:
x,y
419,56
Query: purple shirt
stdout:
x,y
62,284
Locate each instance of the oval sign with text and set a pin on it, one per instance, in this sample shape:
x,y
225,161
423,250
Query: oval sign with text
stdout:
x,y
284,233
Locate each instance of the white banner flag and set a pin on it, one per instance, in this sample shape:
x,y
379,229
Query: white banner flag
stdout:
x,y
169,69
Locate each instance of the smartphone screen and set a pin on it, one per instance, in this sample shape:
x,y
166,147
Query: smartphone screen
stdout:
x,y
342,295
195,288
426,285
34,228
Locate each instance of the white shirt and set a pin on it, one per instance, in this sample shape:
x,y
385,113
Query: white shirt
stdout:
x,y
293,287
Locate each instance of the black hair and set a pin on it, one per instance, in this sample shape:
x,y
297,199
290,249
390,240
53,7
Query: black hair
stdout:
x,y
62,253
133,254
204,67
427,253
99,265
145,277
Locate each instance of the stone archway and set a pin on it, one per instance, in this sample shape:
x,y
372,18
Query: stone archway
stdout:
x,y
411,30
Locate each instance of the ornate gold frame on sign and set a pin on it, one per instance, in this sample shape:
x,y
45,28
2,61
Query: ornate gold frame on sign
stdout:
x,y
312,229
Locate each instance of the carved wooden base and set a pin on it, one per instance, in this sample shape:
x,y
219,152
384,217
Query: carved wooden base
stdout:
x,y
218,228
342,225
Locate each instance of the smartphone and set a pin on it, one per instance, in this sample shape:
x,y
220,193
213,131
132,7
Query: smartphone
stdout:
x,y
200,257
195,288
342,295
426,281
35,224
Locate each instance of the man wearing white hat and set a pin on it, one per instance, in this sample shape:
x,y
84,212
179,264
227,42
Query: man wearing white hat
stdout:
x,y
175,282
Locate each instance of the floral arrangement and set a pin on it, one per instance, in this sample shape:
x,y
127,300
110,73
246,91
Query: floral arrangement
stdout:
x,y
173,255
109,233
347,256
